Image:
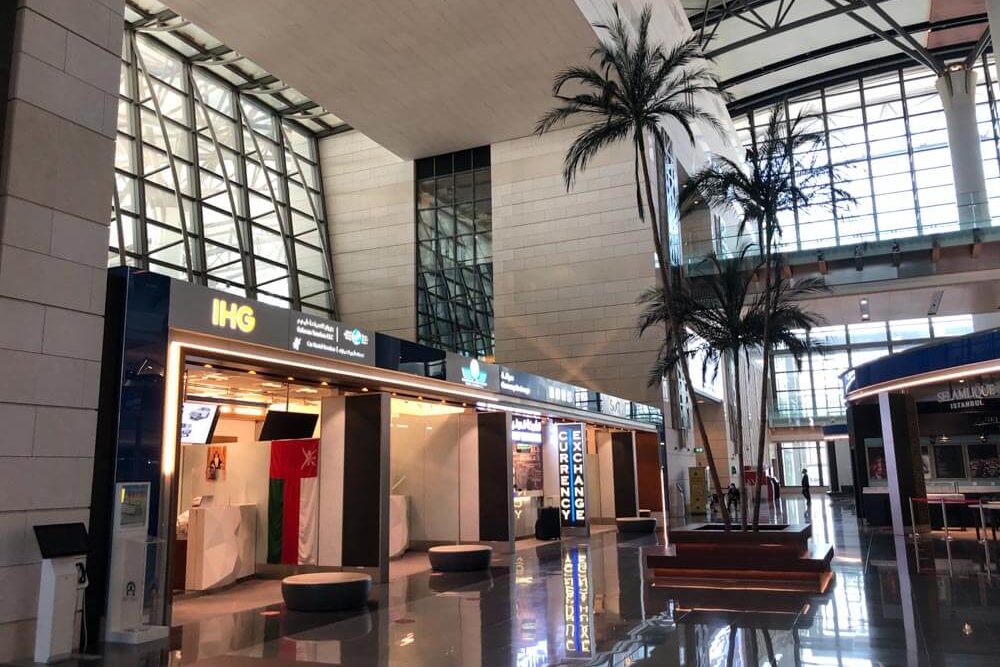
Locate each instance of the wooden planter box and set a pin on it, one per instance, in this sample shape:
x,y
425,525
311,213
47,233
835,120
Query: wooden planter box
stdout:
x,y
776,558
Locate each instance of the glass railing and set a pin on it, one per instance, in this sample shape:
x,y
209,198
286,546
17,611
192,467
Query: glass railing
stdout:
x,y
947,226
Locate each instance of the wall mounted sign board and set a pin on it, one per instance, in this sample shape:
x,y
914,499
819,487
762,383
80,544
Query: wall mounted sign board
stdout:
x,y
203,310
472,372
536,388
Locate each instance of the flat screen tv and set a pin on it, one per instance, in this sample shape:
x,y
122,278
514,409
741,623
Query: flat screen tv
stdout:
x,y
198,422
281,425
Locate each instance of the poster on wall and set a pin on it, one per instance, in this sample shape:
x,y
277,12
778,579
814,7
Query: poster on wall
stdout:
x,y
215,467
572,452
526,437
876,464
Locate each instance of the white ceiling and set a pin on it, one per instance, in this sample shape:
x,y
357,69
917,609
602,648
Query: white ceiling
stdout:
x,y
904,304
420,77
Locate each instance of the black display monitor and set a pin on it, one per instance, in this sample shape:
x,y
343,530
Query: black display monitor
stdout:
x,y
198,422
60,540
281,425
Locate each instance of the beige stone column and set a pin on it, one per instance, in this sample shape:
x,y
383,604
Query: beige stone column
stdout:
x,y
56,179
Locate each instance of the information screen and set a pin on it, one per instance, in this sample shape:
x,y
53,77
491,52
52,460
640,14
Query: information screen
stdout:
x,y
198,422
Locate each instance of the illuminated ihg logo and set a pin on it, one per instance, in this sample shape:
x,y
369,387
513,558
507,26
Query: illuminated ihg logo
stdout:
x,y
355,336
473,374
233,315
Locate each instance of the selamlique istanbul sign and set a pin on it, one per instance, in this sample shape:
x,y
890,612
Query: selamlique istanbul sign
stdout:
x,y
969,396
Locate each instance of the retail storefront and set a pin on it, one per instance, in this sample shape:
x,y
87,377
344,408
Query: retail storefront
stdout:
x,y
924,425
240,440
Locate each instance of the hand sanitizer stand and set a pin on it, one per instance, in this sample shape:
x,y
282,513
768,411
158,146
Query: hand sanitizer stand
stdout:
x,y
132,589
64,574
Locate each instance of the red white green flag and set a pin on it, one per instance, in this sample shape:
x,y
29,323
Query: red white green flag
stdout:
x,y
293,502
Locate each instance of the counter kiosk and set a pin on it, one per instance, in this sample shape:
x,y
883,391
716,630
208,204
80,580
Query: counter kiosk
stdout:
x,y
924,429
226,416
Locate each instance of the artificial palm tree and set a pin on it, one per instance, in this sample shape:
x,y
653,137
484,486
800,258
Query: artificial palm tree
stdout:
x,y
784,171
626,94
723,316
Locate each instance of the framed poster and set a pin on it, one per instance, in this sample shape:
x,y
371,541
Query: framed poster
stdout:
x,y
215,466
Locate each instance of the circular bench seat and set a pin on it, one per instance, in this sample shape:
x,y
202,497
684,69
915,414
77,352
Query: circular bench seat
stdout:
x,y
636,524
326,591
460,557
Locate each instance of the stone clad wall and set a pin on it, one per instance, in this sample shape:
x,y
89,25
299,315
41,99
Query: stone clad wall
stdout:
x,y
56,179
568,267
371,217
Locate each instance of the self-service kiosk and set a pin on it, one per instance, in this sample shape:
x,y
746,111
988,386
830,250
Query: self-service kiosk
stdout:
x,y
64,549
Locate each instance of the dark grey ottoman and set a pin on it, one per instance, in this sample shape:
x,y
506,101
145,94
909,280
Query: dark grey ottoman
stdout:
x,y
326,591
636,524
460,557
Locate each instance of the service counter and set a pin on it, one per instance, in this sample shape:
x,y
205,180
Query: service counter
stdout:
x,y
954,496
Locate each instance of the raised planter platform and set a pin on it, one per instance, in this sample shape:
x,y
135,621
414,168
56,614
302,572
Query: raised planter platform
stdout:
x,y
777,558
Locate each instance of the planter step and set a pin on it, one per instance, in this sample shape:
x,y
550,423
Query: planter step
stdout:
x,y
739,600
744,580
765,557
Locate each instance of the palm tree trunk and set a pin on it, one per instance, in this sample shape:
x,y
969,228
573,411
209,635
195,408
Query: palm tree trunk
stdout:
x,y
739,440
764,379
658,245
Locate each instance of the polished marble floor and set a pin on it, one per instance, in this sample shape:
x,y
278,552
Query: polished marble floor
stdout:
x,y
585,602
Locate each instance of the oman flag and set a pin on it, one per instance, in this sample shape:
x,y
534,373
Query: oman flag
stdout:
x,y
292,502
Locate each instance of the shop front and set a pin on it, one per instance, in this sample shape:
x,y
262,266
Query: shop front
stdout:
x,y
240,441
924,433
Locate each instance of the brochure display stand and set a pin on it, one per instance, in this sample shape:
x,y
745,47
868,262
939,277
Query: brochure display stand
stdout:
x,y
135,556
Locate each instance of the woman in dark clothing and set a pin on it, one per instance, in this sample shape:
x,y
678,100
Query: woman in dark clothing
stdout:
x,y
805,486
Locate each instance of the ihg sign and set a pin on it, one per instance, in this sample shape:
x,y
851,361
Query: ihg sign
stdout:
x,y
235,316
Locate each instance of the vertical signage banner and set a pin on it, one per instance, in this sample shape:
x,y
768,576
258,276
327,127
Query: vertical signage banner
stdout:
x,y
572,485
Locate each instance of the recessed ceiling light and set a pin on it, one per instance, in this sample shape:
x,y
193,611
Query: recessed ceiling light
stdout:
x,y
325,383
272,385
252,372
290,378
208,365
366,389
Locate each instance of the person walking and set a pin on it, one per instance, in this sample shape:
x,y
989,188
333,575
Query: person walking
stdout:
x,y
805,486
733,500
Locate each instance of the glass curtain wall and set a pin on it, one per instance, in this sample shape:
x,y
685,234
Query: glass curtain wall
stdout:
x,y
214,187
810,456
886,136
455,252
814,393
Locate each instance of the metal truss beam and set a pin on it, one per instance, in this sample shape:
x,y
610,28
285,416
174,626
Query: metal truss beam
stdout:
x,y
221,56
852,44
707,22
834,77
979,49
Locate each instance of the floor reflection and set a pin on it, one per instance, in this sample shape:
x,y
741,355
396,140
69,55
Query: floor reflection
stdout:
x,y
586,602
